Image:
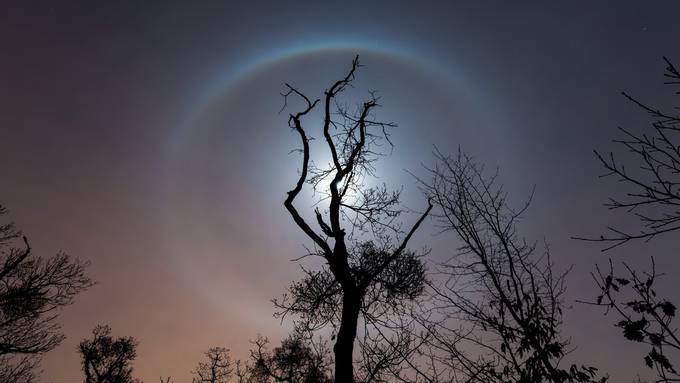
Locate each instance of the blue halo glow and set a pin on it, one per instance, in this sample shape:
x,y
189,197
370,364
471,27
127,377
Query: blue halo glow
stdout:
x,y
233,75
266,57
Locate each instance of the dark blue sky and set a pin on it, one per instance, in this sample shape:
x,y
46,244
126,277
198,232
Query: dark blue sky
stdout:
x,y
145,137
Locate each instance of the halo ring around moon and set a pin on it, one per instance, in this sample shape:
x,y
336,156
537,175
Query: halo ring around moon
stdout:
x,y
255,63
246,68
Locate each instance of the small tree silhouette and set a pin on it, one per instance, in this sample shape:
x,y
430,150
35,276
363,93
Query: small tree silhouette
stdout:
x,y
296,360
106,359
32,291
217,368
365,273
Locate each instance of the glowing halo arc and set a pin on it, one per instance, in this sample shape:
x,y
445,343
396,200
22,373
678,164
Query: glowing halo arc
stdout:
x,y
266,58
231,78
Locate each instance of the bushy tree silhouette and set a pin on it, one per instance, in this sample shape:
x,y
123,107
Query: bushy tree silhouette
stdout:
x,y
366,274
32,292
296,360
106,359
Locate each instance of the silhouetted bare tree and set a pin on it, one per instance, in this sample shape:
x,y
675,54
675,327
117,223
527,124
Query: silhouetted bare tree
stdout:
x,y
652,195
644,316
365,274
296,360
217,368
497,315
106,359
32,291
652,184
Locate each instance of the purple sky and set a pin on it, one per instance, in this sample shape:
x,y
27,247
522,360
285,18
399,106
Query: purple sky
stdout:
x,y
146,138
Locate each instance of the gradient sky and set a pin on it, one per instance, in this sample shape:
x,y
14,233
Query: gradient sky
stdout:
x,y
145,137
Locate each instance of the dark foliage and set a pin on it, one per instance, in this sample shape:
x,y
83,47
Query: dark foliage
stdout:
x,y
296,360
106,359
645,317
33,290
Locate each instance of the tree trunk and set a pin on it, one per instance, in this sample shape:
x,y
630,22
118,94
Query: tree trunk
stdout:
x,y
344,345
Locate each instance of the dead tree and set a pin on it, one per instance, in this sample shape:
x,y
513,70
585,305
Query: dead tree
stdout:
x,y
356,233
106,359
217,368
32,292
497,314
652,183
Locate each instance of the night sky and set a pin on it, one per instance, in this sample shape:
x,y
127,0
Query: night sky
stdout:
x,y
147,139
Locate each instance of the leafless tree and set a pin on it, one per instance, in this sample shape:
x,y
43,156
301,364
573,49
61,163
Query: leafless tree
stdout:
x,y
498,312
106,359
33,290
652,195
367,270
217,368
652,183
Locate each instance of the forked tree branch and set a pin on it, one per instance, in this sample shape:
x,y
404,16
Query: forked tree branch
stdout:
x,y
295,119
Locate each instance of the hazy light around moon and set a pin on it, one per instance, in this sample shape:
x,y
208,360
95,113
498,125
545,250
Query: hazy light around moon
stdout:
x,y
272,56
200,196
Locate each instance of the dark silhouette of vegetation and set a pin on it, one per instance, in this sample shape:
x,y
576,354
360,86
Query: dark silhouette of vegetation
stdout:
x,y
497,314
19,369
106,359
652,190
217,368
32,292
296,360
366,274
645,317
652,184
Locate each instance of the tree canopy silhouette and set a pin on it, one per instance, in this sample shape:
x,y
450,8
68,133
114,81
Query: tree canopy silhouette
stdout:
x,y
296,360
33,290
216,368
106,359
